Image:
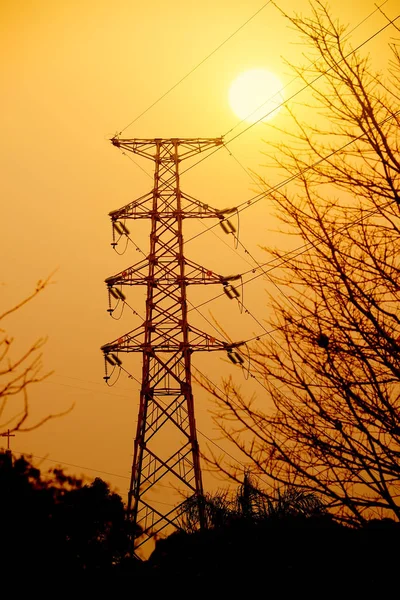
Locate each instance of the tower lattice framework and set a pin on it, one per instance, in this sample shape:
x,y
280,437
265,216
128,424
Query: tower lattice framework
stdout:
x,y
166,450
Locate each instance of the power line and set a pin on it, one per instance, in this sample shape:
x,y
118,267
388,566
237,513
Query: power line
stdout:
x,y
214,386
74,465
262,195
302,249
257,198
251,201
295,78
306,246
275,108
82,388
304,170
258,266
67,464
291,97
196,67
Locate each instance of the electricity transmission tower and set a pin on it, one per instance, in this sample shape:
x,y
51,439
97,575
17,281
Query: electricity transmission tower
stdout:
x,y
166,450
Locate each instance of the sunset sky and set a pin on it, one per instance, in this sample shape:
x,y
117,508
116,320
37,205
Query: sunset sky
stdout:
x,y
74,74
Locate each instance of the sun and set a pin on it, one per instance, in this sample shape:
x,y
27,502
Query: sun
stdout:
x,y
256,95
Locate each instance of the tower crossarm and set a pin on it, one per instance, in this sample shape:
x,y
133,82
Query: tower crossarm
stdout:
x,y
187,147
167,274
143,208
167,341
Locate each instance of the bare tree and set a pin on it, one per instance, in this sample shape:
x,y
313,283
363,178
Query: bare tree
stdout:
x,y
330,422
19,373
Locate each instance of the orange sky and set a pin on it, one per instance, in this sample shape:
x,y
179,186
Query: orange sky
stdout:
x,y
73,74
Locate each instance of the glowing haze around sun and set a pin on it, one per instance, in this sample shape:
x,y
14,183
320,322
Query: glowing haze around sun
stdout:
x,y
256,94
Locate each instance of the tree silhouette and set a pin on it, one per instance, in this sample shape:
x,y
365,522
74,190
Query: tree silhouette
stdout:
x,y
330,423
249,503
56,523
286,542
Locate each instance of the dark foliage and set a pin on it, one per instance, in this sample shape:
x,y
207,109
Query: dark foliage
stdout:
x,y
56,525
55,528
249,503
307,555
286,541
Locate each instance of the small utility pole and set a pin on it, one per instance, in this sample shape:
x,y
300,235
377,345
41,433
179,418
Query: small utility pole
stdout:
x,y
8,435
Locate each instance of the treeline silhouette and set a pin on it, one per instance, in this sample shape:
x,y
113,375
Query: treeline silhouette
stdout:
x,y
54,524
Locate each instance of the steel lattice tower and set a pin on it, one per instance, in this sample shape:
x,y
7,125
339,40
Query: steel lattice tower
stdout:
x,y
166,446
